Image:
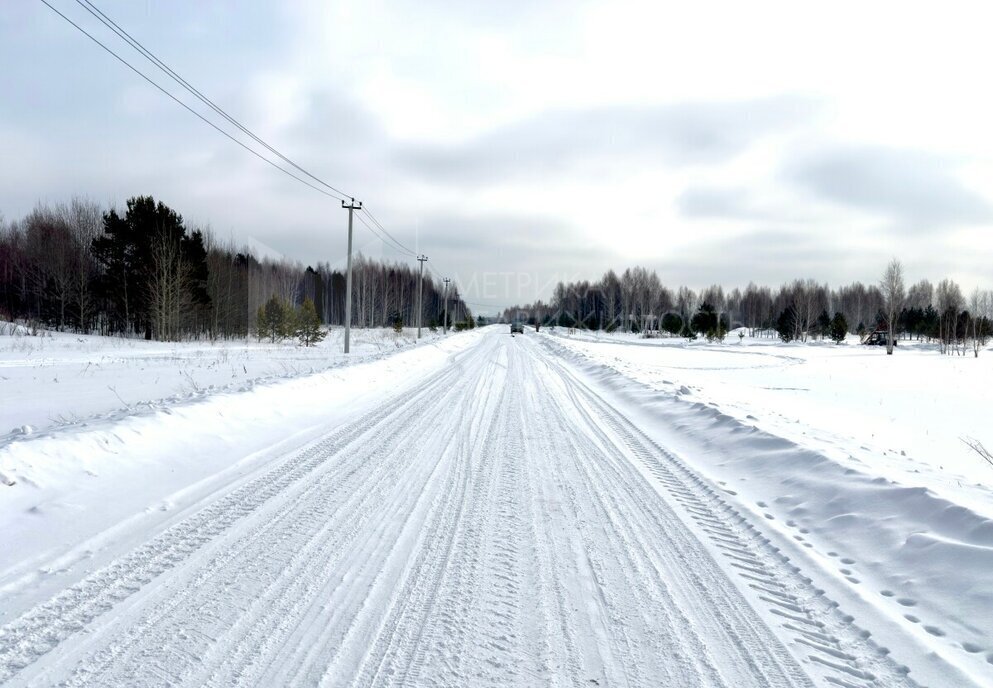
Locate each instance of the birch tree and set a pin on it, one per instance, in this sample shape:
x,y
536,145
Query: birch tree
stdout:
x,y
894,295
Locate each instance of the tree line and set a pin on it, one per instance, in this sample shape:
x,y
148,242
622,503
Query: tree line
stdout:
x,y
636,300
141,271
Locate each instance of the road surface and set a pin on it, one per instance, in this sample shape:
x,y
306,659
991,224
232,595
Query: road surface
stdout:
x,y
499,525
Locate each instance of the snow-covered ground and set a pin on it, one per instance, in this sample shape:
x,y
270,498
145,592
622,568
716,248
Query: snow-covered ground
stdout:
x,y
56,379
902,416
851,453
484,509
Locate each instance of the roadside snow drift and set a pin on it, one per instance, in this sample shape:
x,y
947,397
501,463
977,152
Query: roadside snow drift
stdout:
x,y
890,531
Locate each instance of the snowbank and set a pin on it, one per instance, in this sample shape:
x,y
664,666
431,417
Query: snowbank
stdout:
x,y
918,552
73,485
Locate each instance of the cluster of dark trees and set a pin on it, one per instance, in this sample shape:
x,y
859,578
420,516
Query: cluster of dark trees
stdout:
x,y
278,320
637,301
142,271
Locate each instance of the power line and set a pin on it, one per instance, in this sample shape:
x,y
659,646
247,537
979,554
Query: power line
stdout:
x,y
136,44
383,234
398,243
184,105
395,244
433,274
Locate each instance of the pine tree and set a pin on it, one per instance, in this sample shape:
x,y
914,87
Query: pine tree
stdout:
x,y
260,323
823,324
839,328
308,324
145,255
672,323
786,325
711,324
288,321
275,322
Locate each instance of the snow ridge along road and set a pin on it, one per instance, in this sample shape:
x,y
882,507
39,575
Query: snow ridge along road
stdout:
x,y
500,525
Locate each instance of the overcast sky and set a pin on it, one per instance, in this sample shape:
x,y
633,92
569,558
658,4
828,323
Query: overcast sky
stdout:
x,y
517,143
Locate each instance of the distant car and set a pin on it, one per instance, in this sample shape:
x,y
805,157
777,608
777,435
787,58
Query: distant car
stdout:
x,y
516,328
878,338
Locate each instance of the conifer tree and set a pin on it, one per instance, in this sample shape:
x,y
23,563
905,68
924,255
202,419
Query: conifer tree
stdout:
x,y
308,324
274,321
839,328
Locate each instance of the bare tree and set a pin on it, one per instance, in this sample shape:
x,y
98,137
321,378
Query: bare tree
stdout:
x,y
921,295
83,219
979,308
950,302
168,296
894,294
51,256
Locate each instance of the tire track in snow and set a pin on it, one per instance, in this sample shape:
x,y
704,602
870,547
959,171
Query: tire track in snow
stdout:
x,y
499,525
244,591
444,565
823,635
628,549
42,629
492,634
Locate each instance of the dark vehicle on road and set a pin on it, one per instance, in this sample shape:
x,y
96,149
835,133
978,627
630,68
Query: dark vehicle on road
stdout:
x,y
516,328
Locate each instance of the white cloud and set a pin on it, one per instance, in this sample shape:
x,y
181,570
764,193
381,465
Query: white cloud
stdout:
x,y
472,114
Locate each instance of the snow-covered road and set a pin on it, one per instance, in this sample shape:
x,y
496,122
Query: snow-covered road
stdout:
x,y
502,524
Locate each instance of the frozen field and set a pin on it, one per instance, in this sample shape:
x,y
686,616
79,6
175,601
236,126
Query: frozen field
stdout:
x,y
490,510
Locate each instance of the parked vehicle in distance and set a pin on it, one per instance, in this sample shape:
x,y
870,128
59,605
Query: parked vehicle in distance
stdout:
x,y
878,337
516,328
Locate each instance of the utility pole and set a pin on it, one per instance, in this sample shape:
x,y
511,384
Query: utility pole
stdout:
x,y
351,207
446,304
420,294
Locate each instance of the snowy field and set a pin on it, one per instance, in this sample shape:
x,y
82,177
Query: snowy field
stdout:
x,y
489,510
56,379
902,415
